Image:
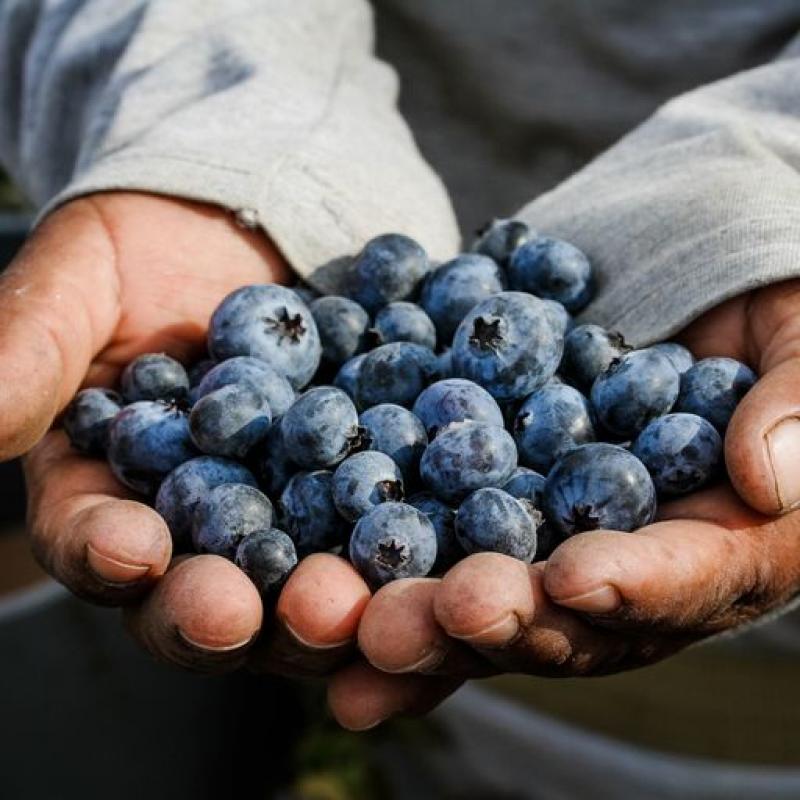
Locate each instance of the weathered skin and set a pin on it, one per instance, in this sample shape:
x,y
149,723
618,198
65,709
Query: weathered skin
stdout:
x,y
402,321
456,287
636,388
443,519
467,456
588,351
245,369
394,430
224,516
388,268
267,557
309,515
147,440
681,451
455,400
366,480
154,376
321,428
712,389
231,420
181,490
491,520
500,238
271,323
551,422
553,269
88,417
393,541
395,373
508,345
596,486
342,325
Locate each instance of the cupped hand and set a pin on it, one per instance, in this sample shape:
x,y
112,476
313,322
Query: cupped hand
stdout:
x,y
104,279
608,601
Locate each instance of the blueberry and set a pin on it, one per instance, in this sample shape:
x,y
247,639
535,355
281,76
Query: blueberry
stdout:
x,y
309,514
394,430
395,373
146,440
88,417
443,519
491,520
455,400
267,557
365,480
636,388
444,364
453,289
550,422
588,351
228,513
230,421
712,389
393,541
306,293
347,377
271,461
271,323
182,489
680,357
403,322
553,269
681,452
321,428
525,484
500,238
342,325
528,486
154,376
467,456
389,268
507,345
599,485
559,317
252,371
199,370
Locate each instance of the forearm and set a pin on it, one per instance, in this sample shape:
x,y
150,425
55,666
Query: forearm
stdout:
x,y
697,205
278,111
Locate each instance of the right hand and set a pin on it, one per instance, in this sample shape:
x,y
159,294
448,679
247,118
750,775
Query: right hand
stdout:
x,y
102,280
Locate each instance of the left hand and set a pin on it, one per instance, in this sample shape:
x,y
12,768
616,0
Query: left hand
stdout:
x,y
609,601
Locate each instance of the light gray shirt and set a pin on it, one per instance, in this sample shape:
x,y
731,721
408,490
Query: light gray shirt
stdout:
x,y
280,111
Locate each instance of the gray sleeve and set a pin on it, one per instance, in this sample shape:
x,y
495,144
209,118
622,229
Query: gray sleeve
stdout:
x,y
275,109
697,205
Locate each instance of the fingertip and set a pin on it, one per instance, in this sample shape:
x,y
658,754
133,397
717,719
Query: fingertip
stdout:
x,y
762,442
125,541
322,602
485,600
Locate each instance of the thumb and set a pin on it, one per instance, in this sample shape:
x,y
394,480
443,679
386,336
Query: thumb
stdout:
x,y
58,306
762,444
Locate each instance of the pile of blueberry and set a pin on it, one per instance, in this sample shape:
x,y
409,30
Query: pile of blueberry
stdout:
x,y
435,411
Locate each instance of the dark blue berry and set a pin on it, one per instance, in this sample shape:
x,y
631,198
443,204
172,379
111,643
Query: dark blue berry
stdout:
x,y
154,376
393,541
342,325
597,486
228,513
366,480
455,400
588,351
267,557
394,430
88,418
403,322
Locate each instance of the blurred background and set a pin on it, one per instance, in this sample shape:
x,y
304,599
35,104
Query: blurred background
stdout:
x,y
84,714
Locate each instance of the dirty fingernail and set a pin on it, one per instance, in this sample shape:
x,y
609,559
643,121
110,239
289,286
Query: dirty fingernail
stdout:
x,y
783,448
599,601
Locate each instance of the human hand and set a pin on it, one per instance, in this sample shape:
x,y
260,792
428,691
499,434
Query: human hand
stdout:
x,y
608,601
104,279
